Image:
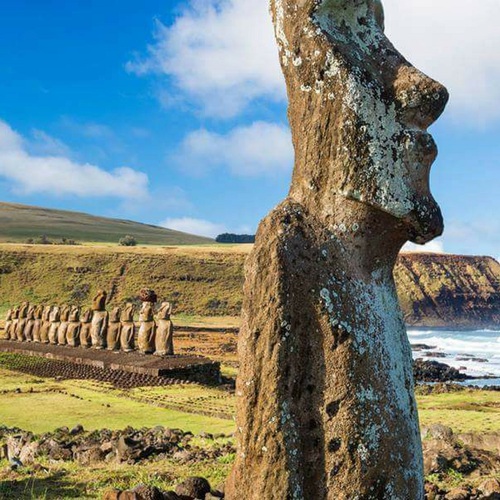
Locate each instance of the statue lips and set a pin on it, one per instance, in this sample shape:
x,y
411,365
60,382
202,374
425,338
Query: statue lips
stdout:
x,y
425,222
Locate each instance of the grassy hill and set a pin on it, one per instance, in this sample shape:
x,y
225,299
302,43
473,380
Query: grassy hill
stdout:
x,y
18,223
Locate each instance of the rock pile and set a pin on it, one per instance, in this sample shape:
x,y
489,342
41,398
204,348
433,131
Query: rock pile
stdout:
x,y
193,488
131,446
447,457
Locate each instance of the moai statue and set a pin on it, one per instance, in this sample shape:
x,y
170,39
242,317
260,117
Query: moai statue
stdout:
x,y
85,328
164,341
8,324
55,322
99,320
114,327
30,324
147,328
45,325
37,324
127,328
326,406
63,327
15,321
73,331
22,320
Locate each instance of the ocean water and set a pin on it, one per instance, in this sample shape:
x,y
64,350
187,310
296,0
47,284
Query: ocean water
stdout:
x,y
474,353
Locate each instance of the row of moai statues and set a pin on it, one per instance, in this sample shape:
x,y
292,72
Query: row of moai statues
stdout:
x,y
95,327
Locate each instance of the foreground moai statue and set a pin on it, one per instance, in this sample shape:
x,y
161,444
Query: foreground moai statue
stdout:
x,y
114,327
164,339
63,327
127,329
73,330
325,390
45,325
85,328
99,320
147,329
55,322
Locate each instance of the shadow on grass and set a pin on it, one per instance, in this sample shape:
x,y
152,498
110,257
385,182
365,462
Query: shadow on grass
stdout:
x,y
54,486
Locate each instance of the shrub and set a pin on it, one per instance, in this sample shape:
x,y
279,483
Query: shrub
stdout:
x,y
235,238
128,241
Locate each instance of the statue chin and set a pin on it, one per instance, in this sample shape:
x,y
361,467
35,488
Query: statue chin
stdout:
x,y
425,226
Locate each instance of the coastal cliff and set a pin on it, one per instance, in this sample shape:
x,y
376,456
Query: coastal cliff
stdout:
x,y
438,290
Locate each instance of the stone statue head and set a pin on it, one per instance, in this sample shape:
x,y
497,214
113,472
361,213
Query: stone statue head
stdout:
x,y
128,312
23,311
114,315
65,311
147,311
31,312
366,110
39,312
74,314
86,316
99,301
55,314
165,310
46,313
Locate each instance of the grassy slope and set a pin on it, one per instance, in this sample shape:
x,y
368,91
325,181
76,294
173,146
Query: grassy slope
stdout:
x,y
207,280
20,222
199,280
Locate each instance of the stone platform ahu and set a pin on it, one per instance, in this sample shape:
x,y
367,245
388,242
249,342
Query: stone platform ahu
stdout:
x,y
326,408
106,340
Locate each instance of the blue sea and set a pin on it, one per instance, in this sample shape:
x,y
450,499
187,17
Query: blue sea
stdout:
x,y
474,353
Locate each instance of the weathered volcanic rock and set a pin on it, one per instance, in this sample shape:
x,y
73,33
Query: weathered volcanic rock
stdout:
x,y
325,390
433,371
194,487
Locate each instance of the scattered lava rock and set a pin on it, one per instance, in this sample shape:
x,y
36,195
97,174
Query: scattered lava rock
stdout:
x,y
130,446
433,371
194,487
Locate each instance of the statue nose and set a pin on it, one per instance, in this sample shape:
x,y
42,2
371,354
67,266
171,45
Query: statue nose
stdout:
x,y
420,99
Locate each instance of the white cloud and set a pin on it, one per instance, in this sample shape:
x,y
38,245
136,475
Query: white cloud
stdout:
x,y
435,246
194,226
45,144
222,55
456,42
55,174
258,149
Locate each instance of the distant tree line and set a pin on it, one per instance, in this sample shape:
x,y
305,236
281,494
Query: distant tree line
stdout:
x,y
235,238
45,240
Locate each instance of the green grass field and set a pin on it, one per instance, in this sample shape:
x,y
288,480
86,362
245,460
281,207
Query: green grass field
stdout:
x,y
42,405
464,411
20,222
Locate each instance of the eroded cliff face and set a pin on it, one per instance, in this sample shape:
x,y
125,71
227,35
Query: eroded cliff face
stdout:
x,y
449,290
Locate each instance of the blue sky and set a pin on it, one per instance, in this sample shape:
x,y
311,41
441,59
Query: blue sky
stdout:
x,y
174,113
